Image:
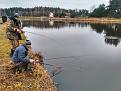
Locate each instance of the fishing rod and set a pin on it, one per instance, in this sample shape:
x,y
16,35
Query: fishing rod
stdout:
x,y
45,36
37,34
57,43
57,69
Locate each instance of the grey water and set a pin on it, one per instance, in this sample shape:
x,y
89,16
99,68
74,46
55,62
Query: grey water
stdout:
x,y
89,54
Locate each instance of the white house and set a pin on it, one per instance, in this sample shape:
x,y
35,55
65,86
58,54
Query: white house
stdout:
x,y
51,15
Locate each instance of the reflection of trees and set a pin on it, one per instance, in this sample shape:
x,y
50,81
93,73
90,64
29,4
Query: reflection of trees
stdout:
x,y
83,25
52,24
112,32
43,24
114,42
98,27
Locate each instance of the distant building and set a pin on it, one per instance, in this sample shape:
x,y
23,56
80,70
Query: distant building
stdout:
x,y
51,15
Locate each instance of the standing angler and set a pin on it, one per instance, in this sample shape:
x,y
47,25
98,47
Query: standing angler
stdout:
x,y
13,31
4,19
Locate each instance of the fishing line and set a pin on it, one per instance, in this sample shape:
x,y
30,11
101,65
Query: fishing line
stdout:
x,y
60,44
67,57
42,35
56,69
63,57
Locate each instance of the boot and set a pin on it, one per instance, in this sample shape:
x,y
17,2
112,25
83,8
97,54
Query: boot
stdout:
x,y
12,51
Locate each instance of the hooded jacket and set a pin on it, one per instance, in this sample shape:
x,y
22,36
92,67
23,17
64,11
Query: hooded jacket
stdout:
x,y
11,31
21,54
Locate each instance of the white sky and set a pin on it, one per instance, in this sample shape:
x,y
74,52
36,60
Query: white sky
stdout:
x,y
68,4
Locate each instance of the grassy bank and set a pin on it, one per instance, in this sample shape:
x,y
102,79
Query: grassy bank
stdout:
x,y
38,81
101,20
86,20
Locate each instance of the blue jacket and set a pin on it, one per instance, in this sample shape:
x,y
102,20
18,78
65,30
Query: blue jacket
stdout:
x,y
21,54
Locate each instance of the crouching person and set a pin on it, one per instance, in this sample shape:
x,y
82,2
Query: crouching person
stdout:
x,y
21,59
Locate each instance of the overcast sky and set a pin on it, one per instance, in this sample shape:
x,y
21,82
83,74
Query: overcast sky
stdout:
x,y
68,4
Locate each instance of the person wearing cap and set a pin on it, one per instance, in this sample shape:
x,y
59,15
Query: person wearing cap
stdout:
x,y
13,31
20,57
4,19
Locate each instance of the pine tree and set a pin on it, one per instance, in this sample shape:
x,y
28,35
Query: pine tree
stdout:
x,y
115,8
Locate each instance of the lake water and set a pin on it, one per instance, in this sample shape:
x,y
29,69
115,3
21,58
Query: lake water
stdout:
x,y
89,54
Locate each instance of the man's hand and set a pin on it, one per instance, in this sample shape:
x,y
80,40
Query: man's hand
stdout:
x,y
21,31
18,30
32,61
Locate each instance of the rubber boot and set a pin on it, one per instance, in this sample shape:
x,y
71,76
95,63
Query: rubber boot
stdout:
x,y
12,51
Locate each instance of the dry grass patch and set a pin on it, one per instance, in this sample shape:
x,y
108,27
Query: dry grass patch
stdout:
x,y
39,80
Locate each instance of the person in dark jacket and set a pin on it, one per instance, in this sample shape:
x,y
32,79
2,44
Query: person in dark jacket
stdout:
x,y
20,57
4,19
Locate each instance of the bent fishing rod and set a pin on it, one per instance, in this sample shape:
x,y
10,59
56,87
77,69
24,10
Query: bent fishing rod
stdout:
x,y
54,41
45,36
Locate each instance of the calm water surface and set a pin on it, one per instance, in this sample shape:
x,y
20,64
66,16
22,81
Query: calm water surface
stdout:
x,y
89,54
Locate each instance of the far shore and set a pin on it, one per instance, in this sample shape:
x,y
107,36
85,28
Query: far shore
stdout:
x,y
84,20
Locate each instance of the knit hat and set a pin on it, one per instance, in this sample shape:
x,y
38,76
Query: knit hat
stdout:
x,y
16,15
28,42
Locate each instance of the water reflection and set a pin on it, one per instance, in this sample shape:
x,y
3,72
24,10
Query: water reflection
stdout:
x,y
111,32
52,24
44,24
81,50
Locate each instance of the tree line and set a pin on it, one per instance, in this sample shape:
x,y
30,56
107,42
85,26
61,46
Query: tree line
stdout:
x,y
112,10
44,11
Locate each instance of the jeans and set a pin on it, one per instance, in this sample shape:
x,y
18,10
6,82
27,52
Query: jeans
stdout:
x,y
20,67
